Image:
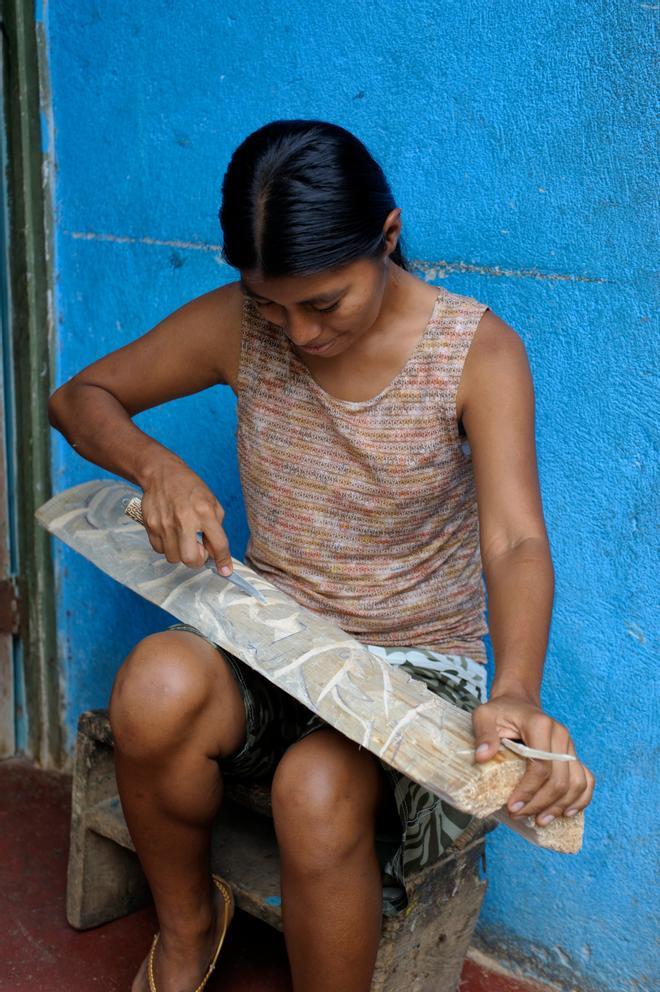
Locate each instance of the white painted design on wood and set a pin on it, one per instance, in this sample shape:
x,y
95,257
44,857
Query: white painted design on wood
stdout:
x,y
373,703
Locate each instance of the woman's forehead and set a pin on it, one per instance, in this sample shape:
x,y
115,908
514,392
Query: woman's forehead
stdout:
x,y
317,287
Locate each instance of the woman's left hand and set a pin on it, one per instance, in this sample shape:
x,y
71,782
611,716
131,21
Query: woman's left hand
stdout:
x,y
548,788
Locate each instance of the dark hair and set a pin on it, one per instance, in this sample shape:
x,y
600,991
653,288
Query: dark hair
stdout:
x,y
300,196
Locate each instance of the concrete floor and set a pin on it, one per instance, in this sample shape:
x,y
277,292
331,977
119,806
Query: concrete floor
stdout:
x,y
40,952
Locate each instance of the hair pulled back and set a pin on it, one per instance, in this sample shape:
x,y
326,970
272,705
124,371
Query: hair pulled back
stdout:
x,y
300,196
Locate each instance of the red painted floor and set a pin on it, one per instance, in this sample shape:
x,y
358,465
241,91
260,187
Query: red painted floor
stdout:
x,y
39,952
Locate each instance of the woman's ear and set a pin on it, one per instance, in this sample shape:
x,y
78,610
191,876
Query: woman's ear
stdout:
x,y
391,230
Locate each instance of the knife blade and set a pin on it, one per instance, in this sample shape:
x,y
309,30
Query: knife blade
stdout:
x,y
133,508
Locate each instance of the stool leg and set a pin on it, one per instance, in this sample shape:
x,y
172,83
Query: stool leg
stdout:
x,y
423,948
104,879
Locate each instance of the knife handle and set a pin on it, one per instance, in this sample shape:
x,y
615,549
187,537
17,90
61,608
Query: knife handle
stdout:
x,y
133,508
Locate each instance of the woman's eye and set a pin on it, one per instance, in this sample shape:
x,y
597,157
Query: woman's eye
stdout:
x,y
267,303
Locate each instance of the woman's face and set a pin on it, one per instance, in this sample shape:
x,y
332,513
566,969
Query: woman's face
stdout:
x,y
325,313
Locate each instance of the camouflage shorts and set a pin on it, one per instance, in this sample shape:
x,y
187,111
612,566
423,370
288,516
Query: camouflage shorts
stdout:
x,y
419,826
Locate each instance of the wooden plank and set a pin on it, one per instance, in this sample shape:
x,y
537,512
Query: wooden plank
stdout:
x,y
370,701
245,852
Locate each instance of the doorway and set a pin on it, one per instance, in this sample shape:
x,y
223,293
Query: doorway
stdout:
x,y
30,721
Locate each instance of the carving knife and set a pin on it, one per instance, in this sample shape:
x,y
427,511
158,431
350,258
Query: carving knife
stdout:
x,y
133,508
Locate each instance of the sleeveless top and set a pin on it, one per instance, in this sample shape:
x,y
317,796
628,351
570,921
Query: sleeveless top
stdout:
x,y
365,512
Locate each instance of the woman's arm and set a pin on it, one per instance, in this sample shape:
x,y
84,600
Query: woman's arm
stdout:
x,y
496,404
193,348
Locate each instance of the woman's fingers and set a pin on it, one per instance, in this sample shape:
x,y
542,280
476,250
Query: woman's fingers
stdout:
x,y
537,733
585,797
207,521
155,541
542,792
567,797
550,800
173,523
180,536
567,788
548,788
159,522
574,800
215,541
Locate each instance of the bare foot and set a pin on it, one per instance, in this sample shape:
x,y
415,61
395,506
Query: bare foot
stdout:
x,y
179,966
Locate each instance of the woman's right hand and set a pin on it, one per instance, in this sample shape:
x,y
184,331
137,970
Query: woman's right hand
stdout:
x,y
176,506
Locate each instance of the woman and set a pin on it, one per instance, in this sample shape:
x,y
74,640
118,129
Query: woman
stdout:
x,y
386,448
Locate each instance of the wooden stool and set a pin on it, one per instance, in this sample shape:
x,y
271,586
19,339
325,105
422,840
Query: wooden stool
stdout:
x,y
421,949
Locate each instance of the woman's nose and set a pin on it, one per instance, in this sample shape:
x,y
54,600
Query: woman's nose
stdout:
x,y
302,331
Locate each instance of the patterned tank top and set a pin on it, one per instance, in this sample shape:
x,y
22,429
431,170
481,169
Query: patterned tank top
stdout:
x,y
365,512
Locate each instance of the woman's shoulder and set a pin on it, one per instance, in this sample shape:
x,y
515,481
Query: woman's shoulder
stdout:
x,y
497,352
221,310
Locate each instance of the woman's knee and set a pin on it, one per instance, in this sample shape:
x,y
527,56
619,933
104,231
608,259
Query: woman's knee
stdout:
x,y
325,794
162,690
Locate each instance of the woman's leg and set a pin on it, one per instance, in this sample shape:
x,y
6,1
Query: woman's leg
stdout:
x,y
326,794
175,708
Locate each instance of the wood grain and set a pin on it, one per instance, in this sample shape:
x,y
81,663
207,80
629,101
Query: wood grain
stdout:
x,y
366,698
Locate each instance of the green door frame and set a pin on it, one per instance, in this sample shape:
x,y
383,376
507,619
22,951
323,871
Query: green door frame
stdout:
x,y
31,332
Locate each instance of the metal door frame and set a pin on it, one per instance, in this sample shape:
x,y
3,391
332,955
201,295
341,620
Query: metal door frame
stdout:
x,y
9,733
30,332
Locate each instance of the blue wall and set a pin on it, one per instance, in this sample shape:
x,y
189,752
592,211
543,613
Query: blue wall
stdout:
x,y
517,141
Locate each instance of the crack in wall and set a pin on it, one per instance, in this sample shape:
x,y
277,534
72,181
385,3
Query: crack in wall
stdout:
x,y
441,269
127,239
429,270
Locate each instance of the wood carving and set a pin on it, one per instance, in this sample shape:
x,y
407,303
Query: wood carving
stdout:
x,y
370,701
